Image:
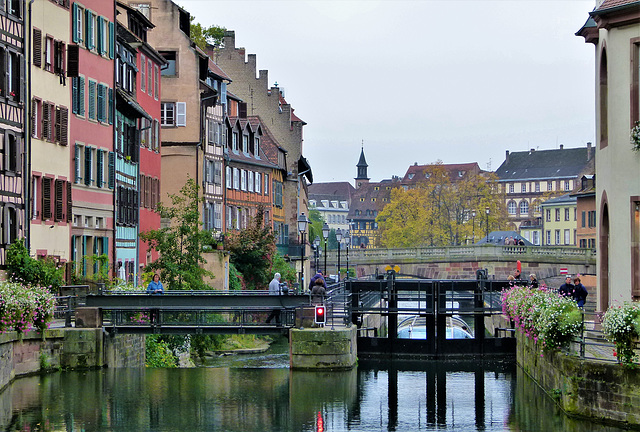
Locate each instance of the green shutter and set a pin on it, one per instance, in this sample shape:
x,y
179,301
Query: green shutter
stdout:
x,y
81,96
105,246
74,95
75,22
110,108
92,100
100,48
101,102
84,254
87,166
73,248
112,170
100,169
76,160
111,40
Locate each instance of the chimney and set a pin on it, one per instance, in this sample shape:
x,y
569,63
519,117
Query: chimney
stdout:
x,y
588,151
561,146
507,157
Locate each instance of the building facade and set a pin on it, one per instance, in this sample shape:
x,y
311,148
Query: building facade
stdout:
x,y
614,29
91,54
559,226
14,170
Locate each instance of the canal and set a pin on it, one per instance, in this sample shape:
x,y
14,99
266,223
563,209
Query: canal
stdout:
x,y
258,392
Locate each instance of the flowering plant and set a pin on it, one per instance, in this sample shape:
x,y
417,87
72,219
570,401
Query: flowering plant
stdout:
x,y
139,318
22,307
621,326
543,315
635,136
12,94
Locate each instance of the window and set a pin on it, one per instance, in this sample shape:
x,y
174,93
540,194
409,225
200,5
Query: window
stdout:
x,y
168,114
567,237
566,185
156,135
584,219
217,173
245,144
229,178
36,114
548,242
536,238
12,153
537,186
78,23
266,184
170,69
557,215
250,181
583,243
592,219
90,26
156,81
549,185
14,8
258,181
149,77
235,142
511,187
566,214
243,180
48,53
256,149
557,236
511,207
523,187
524,208
575,214
15,75
77,95
236,178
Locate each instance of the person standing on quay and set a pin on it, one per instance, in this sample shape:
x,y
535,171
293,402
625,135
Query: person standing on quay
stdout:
x,y
274,289
580,292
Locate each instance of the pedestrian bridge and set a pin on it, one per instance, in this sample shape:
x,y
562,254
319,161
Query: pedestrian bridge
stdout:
x,y
461,262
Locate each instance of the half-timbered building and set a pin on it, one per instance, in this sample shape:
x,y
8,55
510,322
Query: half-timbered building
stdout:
x,y
13,157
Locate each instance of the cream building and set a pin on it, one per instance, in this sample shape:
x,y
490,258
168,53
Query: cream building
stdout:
x,y
559,221
614,29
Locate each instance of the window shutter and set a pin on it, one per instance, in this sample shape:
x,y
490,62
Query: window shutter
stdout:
x,y
59,204
33,126
101,102
75,23
87,166
46,198
105,246
69,203
20,91
57,124
88,30
92,100
100,169
46,121
110,107
242,109
64,125
57,55
111,40
112,170
181,118
37,47
81,96
76,161
99,35
73,60
74,95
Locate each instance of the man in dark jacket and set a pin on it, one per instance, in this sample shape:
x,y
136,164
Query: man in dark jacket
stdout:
x,y
580,292
566,289
315,278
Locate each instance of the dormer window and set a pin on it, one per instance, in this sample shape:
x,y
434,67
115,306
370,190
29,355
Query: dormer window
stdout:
x,y
235,142
460,173
245,144
427,175
410,176
256,147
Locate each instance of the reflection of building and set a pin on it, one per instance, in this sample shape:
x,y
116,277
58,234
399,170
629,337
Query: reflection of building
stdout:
x,y
50,203
332,200
614,29
559,221
530,177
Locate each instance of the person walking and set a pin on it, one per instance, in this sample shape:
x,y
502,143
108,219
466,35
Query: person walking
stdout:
x,y
318,292
316,277
580,292
274,289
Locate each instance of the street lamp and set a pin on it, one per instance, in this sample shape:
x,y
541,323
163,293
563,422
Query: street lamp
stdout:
x,y
347,241
486,210
316,243
473,215
339,239
325,234
302,227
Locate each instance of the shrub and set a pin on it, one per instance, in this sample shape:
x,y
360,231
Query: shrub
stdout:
x,y
22,308
158,353
621,326
23,269
543,315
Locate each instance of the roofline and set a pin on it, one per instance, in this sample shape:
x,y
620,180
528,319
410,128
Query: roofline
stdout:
x,y
539,178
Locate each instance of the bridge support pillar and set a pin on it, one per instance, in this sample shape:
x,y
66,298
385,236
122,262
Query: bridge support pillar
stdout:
x,y
323,348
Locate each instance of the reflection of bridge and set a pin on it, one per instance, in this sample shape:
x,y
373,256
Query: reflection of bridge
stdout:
x,y
451,261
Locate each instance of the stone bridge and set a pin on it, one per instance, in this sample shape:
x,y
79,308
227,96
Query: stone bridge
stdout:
x,y
461,262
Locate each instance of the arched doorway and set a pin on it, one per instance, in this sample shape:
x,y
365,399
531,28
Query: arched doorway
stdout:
x,y
603,248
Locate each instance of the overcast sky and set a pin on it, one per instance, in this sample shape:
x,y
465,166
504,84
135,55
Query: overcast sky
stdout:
x,y
417,81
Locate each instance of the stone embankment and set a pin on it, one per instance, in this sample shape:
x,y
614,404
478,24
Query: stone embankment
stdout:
x,y
68,348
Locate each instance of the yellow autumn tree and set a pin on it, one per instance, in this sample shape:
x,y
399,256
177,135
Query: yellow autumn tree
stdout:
x,y
439,212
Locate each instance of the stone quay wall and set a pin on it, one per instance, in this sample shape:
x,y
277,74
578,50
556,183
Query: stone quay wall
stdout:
x,y
68,348
606,392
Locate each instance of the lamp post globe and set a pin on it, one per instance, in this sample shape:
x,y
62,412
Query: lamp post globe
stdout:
x,y
339,239
325,234
302,227
316,243
486,210
347,241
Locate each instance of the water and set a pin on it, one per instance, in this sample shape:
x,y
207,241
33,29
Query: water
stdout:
x,y
259,393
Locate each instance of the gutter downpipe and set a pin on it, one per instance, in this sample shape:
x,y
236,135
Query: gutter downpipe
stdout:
x,y
27,135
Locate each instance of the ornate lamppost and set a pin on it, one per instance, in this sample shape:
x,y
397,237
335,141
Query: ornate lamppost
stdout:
x,y
302,227
316,243
347,241
473,215
325,234
339,239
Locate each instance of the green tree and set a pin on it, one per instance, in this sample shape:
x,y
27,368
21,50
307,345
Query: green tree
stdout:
x,y
180,244
438,212
280,265
203,36
316,221
252,250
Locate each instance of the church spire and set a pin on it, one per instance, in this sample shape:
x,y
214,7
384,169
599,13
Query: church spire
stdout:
x,y
362,169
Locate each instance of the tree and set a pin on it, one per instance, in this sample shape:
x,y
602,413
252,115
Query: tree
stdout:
x,y
438,212
252,250
203,36
316,222
23,269
180,244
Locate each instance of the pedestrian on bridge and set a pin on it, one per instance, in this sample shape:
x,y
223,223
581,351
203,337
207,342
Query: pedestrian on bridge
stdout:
x,y
155,286
315,278
318,292
274,289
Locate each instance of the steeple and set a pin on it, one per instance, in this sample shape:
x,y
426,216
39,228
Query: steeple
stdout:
x,y
362,169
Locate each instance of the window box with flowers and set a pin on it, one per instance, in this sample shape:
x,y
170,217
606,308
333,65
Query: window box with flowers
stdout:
x,y
621,326
635,136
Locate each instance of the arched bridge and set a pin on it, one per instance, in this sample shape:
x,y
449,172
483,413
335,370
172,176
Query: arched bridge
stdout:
x,y
461,262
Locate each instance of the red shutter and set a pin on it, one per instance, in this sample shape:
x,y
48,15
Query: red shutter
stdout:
x,y
46,198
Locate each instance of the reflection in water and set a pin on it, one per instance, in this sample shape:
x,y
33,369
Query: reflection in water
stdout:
x,y
395,396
